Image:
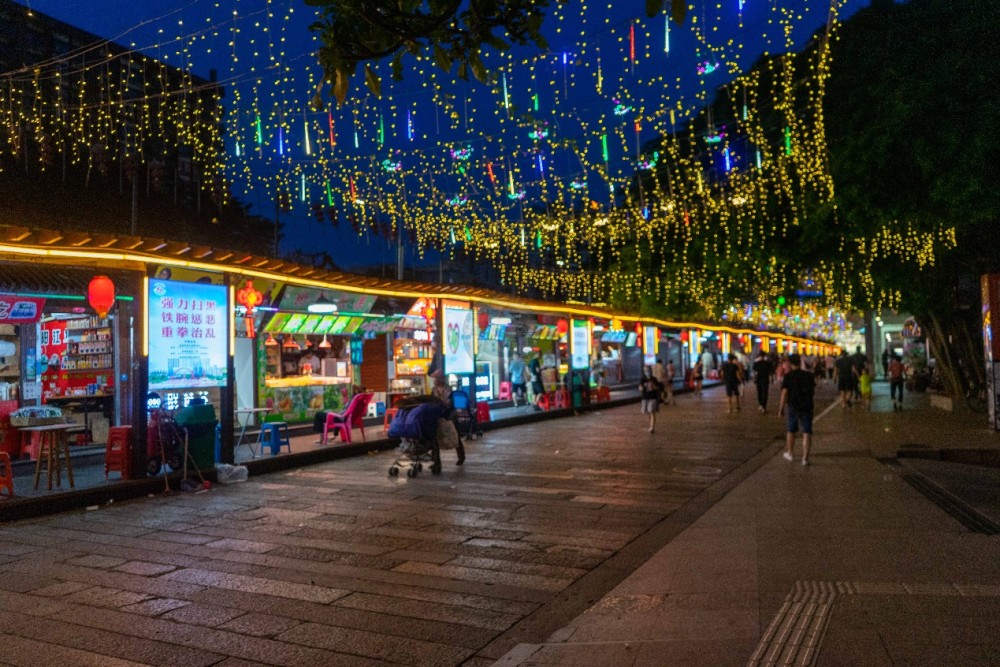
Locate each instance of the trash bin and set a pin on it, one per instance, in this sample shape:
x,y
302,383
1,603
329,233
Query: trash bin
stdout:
x,y
200,421
576,390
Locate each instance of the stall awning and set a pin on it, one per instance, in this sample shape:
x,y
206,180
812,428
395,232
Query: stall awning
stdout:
x,y
333,325
545,332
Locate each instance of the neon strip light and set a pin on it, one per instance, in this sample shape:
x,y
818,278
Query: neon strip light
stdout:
x,y
145,316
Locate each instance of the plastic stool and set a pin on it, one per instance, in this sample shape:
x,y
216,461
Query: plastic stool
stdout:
x,y
482,412
6,475
503,393
118,451
390,413
603,394
562,399
277,437
544,402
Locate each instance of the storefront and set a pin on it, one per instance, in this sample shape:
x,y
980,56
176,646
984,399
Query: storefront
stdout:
x,y
59,359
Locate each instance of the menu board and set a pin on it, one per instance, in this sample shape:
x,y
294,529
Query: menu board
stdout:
x,y
457,338
188,334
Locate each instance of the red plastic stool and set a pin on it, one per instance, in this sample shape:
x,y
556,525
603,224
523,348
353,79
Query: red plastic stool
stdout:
x,y
482,412
118,452
6,475
390,414
603,394
544,402
562,399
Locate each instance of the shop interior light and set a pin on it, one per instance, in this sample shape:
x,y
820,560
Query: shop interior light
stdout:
x,y
325,345
322,306
270,341
290,343
503,321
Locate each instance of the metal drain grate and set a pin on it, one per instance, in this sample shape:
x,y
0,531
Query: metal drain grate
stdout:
x,y
965,514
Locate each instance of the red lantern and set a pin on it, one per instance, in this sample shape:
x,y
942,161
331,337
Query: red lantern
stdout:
x,y
562,326
249,298
484,320
638,328
101,295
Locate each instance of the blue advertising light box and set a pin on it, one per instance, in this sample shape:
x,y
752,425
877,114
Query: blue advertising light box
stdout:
x,y
188,334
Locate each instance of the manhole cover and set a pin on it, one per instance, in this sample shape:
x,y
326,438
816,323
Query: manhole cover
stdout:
x,y
699,471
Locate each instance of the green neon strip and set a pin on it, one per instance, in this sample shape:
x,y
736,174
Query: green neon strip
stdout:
x,y
604,146
63,297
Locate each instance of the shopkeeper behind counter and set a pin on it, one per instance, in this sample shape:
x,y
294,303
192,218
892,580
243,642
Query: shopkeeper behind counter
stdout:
x,y
309,364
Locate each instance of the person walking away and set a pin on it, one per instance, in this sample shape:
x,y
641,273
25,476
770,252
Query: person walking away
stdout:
x,y
732,376
896,378
660,374
698,376
669,382
762,372
518,380
866,387
845,379
885,363
442,392
537,387
798,390
859,360
650,390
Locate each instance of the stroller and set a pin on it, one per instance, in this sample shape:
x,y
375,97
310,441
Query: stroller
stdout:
x,y
416,425
465,419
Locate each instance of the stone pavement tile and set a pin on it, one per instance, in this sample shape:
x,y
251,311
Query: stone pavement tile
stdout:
x,y
527,581
539,569
138,628
16,549
197,613
437,557
96,561
46,574
695,653
70,634
144,569
241,545
549,539
31,605
238,662
389,624
155,607
692,578
79,522
478,662
24,580
376,646
180,538
436,611
23,652
60,589
98,596
259,625
570,655
256,585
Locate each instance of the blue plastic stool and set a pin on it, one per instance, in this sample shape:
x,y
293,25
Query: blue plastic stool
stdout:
x,y
277,436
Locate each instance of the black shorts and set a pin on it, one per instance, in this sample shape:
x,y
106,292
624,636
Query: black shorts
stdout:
x,y
732,389
845,384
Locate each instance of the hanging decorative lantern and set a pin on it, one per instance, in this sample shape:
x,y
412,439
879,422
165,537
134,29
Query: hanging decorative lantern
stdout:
x,y
484,320
562,326
101,295
249,298
638,328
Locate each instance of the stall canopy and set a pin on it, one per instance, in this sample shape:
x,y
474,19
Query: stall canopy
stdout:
x,y
614,337
545,332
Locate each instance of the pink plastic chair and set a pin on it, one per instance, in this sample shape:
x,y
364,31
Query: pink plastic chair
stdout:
x,y
504,393
352,417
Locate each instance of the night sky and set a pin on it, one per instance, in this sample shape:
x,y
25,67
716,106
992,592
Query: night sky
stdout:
x,y
154,26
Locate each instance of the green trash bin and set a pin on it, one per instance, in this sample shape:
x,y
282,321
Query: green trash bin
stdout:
x,y
200,422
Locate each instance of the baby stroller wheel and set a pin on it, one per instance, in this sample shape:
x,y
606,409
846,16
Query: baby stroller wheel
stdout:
x,y
411,472
393,471
420,466
153,466
436,468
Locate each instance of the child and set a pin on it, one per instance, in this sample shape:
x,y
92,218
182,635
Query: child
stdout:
x,y
650,389
865,382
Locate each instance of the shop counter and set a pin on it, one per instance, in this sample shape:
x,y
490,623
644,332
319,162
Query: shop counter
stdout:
x,y
306,381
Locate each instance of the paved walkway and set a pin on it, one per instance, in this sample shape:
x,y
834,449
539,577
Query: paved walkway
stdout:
x,y
839,563
582,540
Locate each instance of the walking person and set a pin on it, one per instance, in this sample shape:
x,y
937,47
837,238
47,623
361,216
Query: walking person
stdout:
x,y
650,390
897,376
798,391
442,392
732,376
762,372
537,387
845,379
698,376
866,388
660,374
669,382
518,380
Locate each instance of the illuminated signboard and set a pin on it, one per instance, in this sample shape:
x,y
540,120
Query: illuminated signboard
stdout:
x,y
580,340
650,345
457,339
188,334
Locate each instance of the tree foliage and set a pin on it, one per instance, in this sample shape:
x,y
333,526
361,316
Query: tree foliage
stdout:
x,y
910,112
455,32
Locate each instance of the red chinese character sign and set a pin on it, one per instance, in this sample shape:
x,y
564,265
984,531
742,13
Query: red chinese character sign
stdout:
x,y
188,334
15,309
